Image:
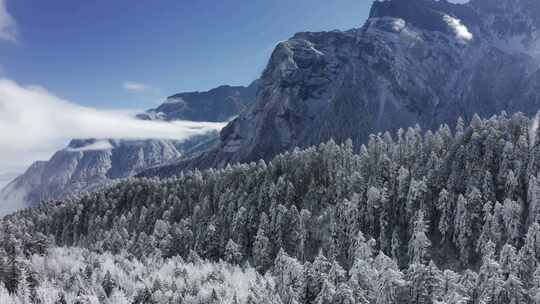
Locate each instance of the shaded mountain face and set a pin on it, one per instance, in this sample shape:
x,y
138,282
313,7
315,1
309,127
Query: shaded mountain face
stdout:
x,y
86,165
217,105
413,62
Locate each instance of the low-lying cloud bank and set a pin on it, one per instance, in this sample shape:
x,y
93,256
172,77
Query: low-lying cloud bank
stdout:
x,y
35,122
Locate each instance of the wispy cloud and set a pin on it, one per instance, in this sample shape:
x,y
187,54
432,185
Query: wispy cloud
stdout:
x,y
34,122
135,86
8,26
96,146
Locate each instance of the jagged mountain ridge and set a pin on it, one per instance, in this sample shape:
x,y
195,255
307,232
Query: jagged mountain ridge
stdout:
x,y
87,165
413,62
217,105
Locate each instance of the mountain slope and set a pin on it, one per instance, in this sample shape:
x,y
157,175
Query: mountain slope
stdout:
x,y
415,217
80,167
414,61
86,165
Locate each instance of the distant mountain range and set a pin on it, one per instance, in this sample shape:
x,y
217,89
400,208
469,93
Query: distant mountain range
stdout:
x,y
413,61
86,165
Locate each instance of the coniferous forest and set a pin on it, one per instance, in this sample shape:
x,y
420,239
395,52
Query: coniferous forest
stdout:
x,y
445,216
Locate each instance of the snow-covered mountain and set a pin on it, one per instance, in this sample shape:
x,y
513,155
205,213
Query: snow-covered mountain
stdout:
x,y
86,165
217,105
413,61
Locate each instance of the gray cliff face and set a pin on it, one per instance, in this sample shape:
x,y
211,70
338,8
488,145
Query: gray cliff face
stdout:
x,y
413,62
86,165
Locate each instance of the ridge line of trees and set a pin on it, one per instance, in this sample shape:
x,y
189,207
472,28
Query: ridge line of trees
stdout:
x,y
418,217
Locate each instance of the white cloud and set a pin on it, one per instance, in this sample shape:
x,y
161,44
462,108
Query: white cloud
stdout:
x,y
33,122
8,26
135,86
461,31
96,146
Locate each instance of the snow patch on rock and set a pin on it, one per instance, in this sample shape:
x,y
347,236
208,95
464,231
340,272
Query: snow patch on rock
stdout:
x,y
461,31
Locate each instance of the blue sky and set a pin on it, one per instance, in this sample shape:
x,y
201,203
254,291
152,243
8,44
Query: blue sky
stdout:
x,y
119,54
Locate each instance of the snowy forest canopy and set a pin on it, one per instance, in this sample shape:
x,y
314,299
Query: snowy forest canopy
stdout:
x,y
417,217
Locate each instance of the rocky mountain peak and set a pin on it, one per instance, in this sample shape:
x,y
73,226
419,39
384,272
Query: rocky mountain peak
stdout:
x,y
414,61
509,25
219,104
